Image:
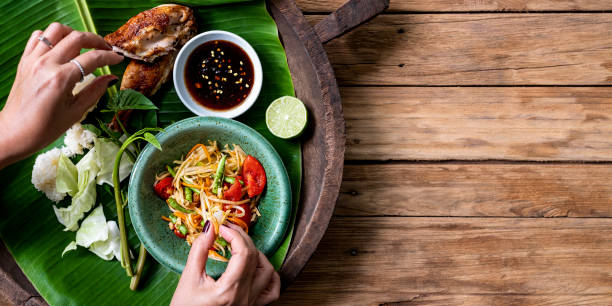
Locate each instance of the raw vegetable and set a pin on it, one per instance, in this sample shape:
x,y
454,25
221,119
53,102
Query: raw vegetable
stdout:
x,y
106,150
171,171
255,176
92,229
85,198
234,193
67,175
218,175
246,218
98,235
172,202
164,188
188,195
145,135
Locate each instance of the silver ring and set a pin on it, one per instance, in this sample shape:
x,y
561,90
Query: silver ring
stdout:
x,y
80,68
46,41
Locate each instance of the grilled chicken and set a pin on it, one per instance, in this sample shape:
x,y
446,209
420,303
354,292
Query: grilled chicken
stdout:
x,y
152,38
146,78
154,33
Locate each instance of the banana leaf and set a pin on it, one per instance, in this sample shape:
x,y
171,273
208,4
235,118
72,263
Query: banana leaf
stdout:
x,y
29,227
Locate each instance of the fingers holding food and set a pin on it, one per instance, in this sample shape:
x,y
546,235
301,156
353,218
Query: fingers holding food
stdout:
x,y
154,33
70,47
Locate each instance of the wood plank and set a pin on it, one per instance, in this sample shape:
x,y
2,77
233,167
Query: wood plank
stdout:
x,y
475,49
470,189
469,5
367,261
474,123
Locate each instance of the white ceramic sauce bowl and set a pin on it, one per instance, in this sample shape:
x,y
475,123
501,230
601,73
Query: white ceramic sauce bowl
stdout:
x,y
179,74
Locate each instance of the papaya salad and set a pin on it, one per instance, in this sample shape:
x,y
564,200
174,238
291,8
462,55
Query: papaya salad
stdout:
x,y
213,184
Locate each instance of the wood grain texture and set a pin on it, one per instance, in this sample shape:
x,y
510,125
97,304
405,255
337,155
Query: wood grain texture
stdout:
x,y
372,261
475,189
475,49
348,16
470,5
474,123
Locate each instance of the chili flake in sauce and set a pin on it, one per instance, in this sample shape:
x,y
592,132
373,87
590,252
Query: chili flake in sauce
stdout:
x,y
219,74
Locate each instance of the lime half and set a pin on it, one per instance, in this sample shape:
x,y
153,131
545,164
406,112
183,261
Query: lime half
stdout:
x,y
286,117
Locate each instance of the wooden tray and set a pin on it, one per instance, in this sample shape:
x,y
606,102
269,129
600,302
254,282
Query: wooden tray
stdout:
x,y
323,142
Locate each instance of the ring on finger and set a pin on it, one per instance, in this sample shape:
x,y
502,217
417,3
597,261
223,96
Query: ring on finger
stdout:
x,y
80,68
46,41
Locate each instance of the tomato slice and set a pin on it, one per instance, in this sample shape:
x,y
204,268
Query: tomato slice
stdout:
x,y
255,176
234,193
247,212
164,188
179,234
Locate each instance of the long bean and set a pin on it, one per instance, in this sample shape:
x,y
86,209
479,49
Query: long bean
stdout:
x,y
188,194
219,174
174,204
172,172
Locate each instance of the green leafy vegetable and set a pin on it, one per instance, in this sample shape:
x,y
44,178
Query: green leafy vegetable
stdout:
x,y
85,198
66,179
93,228
99,236
152,140
106,150
109,248
129,99
70,247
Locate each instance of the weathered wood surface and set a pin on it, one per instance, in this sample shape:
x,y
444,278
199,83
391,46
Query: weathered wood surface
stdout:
x,y
317,6
476,189
348,16
476,49
473,123
374,260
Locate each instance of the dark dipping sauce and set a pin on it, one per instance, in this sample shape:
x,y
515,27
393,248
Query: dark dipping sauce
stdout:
x,y
219,74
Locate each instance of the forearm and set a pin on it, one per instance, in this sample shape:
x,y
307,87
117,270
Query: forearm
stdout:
x,y
8,153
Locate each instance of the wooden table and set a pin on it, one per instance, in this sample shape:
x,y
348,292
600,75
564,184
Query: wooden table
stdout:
x,y
479,143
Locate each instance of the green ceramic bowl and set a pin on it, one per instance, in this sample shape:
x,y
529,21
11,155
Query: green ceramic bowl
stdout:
x,y
146,208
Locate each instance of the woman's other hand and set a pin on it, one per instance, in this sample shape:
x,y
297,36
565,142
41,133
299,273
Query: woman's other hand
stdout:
x,y
40,106
249,278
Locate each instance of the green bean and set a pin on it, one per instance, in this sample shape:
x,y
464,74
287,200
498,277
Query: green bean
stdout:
x,y
194,190
174,204
219,175
173,218
183,229
188,194
171,171
230,180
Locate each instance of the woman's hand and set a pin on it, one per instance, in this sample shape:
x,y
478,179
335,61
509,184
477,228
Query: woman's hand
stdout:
x,y
249,278
41,106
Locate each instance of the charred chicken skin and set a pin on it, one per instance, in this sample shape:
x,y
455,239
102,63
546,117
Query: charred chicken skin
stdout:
x,y
154,33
